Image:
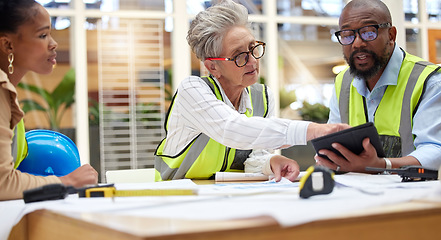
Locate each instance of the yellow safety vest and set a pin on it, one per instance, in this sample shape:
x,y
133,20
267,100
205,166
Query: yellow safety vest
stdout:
x,y
203,157
19,147
394,115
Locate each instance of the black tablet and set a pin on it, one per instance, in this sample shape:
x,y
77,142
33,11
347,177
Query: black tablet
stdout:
x,y
350,138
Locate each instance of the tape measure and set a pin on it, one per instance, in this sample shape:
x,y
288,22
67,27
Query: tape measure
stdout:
x,y
317,180
113,192
59,191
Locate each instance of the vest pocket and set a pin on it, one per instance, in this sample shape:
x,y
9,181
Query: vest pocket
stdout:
x,y
391,146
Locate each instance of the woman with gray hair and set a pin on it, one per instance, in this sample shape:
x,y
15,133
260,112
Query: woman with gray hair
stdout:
x,y
225,122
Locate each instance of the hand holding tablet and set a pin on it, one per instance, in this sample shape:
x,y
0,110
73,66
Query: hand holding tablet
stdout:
x,y
351,138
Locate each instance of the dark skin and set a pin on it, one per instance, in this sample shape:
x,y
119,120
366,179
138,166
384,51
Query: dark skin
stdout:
x,y
357,14
34,50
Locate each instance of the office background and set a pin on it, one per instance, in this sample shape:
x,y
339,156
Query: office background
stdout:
x,y
128,57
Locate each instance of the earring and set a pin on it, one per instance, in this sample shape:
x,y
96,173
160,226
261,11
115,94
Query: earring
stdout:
x,y
11,60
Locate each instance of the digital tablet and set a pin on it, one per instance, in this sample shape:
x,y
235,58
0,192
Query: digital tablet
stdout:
x,y
350,138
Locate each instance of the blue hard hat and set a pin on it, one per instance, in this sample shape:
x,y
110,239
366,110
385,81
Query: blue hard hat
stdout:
x,y
49,153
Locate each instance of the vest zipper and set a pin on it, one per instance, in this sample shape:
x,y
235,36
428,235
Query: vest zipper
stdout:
x,y
366,109
366,115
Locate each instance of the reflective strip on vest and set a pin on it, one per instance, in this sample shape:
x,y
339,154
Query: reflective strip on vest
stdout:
x,y
168,173
193,151
389,122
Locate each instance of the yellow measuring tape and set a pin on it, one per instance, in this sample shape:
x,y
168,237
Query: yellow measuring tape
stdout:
x,y
112,192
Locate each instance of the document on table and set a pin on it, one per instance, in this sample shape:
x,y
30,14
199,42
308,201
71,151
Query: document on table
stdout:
x,y
224,201
240,176
282,202
250,188
378,181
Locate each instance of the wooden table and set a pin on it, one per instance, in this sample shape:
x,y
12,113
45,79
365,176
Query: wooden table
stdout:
x,y
411,220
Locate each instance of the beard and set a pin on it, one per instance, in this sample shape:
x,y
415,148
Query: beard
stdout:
x,y
379,63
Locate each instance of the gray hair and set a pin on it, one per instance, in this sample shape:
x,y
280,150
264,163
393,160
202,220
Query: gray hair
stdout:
x,y
207,30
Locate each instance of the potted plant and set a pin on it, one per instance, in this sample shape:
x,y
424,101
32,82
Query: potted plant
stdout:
x,y
314,112
55,103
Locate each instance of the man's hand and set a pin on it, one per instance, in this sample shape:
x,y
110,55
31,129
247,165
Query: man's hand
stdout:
x,y
358,163
81,176
351,162
284,167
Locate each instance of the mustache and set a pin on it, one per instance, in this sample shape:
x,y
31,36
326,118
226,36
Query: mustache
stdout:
x,y
368,73
351,58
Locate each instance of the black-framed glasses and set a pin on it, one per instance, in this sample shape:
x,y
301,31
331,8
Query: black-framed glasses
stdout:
x,y
366,33
242,58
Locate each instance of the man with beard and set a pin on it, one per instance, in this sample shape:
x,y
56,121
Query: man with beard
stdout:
x,y
398,92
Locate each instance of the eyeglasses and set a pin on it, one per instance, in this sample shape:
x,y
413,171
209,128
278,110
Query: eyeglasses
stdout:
x,y
242,58
367,33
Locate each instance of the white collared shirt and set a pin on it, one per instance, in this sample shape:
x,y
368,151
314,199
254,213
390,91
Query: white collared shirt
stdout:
x,y
197,110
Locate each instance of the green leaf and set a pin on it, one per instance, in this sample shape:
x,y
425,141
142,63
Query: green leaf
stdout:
x,y
47,97
57,102
65,91
30,105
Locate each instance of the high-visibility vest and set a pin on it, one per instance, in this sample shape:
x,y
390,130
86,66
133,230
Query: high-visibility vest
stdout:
x,y
394,115
19,147
203,156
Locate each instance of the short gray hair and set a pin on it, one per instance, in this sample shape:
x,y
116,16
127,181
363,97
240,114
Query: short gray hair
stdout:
x,y
207,30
